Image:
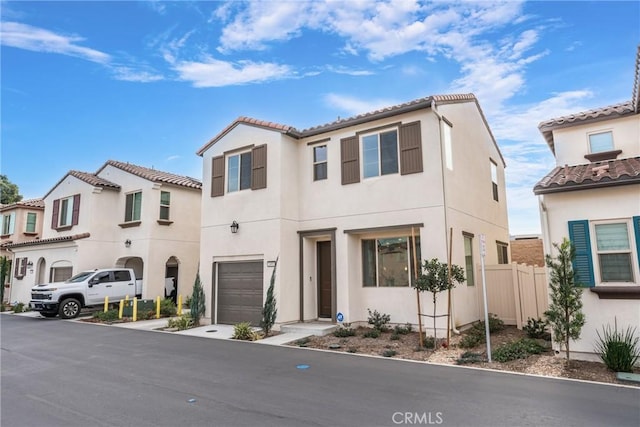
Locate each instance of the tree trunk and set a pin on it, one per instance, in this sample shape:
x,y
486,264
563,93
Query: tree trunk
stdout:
x,y
435,337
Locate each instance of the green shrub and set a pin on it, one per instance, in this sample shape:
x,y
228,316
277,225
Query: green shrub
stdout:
x,y
471,340
181,323
19,308
303,342
379,321
147,315
403,330
536,328
495,325
619,350
469,357
389,353
429,342
520,349
167,308
372,333
106,316
352,350
394,337
243,331
344,330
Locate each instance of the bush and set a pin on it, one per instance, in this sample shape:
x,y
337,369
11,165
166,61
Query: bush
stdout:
x,y
167,308
618,350
469,357
379,321
536,328
520,349
495,325
403,330
394,337
147,315
373,333
181,323
303,342
19,308
344,330
243,331
106,316
471,340
429,342
389,353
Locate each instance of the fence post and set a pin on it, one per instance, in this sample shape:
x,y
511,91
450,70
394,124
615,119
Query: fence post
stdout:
x,y
179,305
516,293
106,303
121,308
135,309
157,307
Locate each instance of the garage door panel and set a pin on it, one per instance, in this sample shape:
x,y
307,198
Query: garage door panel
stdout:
x,y
240,292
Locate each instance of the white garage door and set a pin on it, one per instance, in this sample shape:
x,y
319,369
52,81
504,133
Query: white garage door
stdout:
x,y
240,292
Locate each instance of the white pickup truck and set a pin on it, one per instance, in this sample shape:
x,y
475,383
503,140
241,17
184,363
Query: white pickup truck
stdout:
x,y
85,289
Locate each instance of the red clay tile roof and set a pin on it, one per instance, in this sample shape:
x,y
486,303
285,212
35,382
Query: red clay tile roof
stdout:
x,y
93,179
591,175
50,241
597,114
154,175
416,104
28,203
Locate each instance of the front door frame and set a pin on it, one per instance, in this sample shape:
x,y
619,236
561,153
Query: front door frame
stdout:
x,y
331,232
320,275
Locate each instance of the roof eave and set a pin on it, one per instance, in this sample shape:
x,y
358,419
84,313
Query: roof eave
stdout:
x,y
585,186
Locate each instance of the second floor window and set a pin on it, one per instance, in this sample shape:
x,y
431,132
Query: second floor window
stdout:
x,y
133,207
7,222
165,201
494,180
31,223
319,162
239,169
614,252
600,142
380,154
66,212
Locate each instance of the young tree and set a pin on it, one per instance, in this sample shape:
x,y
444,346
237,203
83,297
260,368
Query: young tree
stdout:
x,y
5,268
8,191
269,311
435,279
565,310
197,306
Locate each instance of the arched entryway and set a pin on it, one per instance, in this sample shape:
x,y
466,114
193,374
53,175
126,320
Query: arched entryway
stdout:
x,y
171,279
137,265
41,268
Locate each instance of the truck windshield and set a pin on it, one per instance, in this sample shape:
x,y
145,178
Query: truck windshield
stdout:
x,y
80,277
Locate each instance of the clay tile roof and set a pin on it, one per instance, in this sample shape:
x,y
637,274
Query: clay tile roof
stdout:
x,y
591,175
93,179
52,240
154,175
27,203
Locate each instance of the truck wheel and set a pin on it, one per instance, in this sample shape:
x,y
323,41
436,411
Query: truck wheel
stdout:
x,y
69,309
48,314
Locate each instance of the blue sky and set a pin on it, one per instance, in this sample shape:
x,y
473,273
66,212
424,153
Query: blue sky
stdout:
x,y
151,82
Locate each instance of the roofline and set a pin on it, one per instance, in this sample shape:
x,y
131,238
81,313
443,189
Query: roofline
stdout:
x,y
50,241
407,107
581,186
119,165
22,204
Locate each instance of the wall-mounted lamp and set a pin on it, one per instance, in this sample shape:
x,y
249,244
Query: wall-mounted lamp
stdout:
x,y
234,227
127,243
30,265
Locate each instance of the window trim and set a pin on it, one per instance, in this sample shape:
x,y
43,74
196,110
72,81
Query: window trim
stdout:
x,y
633,262
35,223
10,221
324,162
131,219
505,246
410,258
600,132
167,206
494,180
468,236
381,131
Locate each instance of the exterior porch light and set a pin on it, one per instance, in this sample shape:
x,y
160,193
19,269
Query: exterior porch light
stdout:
x,y
234,227
127,243
30,265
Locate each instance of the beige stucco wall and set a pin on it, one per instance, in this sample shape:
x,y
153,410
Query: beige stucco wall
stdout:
x,y
594,205
271,218
572,143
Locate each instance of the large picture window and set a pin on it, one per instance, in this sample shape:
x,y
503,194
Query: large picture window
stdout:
x,y
389,262
614,252
380,153
239,167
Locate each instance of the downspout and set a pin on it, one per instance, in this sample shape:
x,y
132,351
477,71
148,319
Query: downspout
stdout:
x,y
443,167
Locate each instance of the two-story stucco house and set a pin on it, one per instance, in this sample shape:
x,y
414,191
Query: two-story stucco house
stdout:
x,y
123,215
19,222
592,197
347,208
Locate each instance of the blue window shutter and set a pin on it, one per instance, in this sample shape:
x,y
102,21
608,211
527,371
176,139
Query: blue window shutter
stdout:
x,y
636,229
583,262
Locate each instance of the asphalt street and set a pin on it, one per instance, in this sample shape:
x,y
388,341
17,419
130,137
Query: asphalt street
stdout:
x,y
65,373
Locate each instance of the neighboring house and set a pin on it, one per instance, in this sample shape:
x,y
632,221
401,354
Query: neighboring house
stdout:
x,y
346,208
592,197
123,215
19,221
527,249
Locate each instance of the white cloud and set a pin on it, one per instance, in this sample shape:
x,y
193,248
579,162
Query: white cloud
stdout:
x,y
352,105
35,39
212,72
174,157
132,75
348,71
